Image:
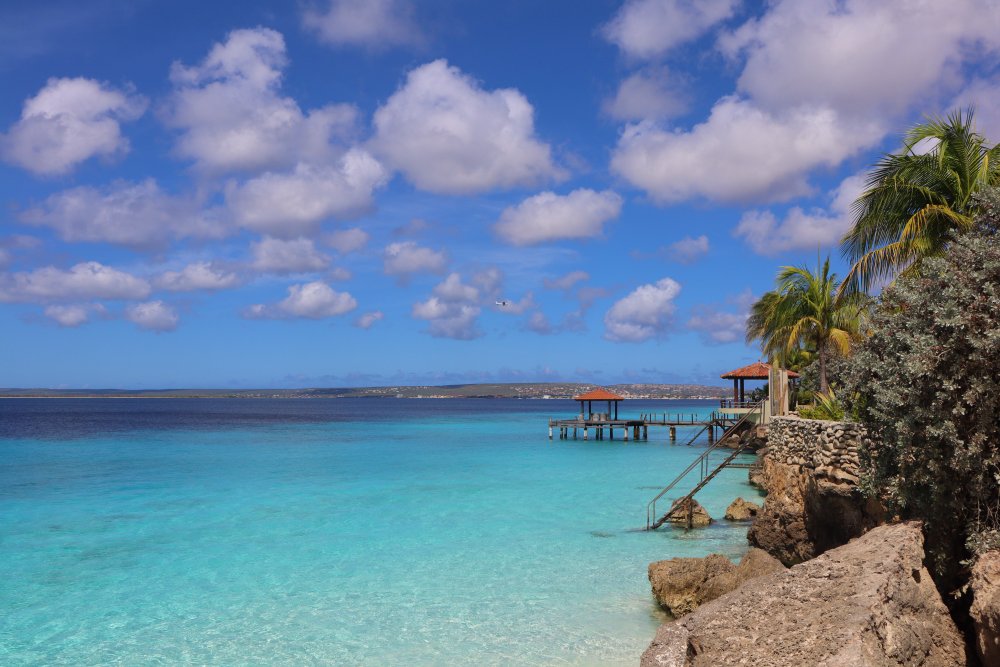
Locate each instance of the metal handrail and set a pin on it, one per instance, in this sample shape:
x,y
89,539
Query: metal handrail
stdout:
x,y
701,460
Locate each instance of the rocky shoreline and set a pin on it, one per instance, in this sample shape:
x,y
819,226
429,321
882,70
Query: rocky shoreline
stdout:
x,y
856,592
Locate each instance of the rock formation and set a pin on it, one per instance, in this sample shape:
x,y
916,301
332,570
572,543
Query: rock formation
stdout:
x,y
985,611
741,510
681,509
870,603
680,585
810,472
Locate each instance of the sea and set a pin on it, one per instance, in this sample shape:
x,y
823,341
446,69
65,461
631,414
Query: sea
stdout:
x,y
335,532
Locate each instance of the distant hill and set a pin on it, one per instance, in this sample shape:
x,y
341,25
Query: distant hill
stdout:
x,y
516,390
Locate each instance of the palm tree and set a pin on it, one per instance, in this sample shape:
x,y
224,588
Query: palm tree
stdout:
x,y
915,200
807,311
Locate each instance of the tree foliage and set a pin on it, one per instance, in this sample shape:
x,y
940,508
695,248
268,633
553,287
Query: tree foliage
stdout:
x,y
926,383
916,199
806,311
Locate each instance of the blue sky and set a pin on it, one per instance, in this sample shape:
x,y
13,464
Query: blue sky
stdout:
x,y
330,193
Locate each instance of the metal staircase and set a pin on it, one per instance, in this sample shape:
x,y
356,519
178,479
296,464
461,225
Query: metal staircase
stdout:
x,y
705,474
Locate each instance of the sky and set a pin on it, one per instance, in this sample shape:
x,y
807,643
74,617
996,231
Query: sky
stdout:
x,y
381,192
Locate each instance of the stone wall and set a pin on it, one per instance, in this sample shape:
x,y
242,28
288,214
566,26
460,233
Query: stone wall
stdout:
x,y
828,449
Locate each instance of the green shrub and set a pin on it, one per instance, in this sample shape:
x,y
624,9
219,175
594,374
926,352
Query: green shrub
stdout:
x,y
828,408
926,384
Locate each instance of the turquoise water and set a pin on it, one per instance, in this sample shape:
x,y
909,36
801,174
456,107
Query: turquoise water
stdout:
x,y
332,532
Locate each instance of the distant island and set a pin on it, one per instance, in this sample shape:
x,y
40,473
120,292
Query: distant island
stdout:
x,y
532,390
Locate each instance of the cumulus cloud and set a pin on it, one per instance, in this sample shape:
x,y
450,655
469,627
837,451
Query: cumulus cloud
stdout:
x,y
346,241
645,313
300,255
650,28
717,325
448,135
732,156
858,57
138,215
539,323
152,316
315,300
548,216
84,281
197,276
802,229
68,122
406,258
984,95
368,320
231,116
294,203
566,281
73,315
647,94
375,24
454,306
689,249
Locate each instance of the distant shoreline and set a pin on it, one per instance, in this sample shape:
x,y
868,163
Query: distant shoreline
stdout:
x,y
529,391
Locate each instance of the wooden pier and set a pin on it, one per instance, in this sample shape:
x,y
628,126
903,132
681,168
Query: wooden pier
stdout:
x,y
636,429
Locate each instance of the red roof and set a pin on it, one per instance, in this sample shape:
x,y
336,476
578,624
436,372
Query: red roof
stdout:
x,y
598,395
758,370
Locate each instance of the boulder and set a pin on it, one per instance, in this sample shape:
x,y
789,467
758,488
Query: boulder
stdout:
x,y
682,509
985,611
870,603
741,510
680,585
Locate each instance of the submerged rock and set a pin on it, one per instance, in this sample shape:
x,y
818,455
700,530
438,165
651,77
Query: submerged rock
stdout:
x,y
681,509
985,609
681,585
741,510
870,603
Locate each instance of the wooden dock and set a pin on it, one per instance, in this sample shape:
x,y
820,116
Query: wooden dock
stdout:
x,y
637,429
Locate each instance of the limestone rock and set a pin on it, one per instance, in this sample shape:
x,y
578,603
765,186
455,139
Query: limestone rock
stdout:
x,y
680,510
741,510
680,585
870,603
985,610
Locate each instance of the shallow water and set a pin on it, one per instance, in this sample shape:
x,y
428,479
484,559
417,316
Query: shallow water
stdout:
x,y
332,531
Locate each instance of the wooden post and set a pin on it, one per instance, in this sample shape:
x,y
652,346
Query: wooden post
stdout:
x,y
645,432
584,432
711,434
673,434
626,433
550,431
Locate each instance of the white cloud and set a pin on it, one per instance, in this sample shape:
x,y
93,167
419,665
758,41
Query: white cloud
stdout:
x,y
68,122
406,258
740,153
73,315
294,203
368,320
454,307
984,95
138,215
232,117
718,326
645,313
346,241
650,28
859,57
539,323
272,255
647,94
567,281
315,300
197,276
153,316
801,229
689,249
548,216
375,24
450,136
87,280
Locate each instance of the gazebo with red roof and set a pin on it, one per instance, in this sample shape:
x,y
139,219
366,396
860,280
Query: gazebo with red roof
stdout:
x,y
598,395
755,371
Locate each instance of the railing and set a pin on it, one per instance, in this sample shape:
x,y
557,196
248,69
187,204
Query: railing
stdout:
x,y
701,462
675,418
730,404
